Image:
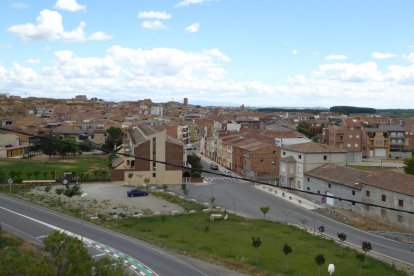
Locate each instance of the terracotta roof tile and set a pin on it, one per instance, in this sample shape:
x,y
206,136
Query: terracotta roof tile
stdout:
x,y
312,147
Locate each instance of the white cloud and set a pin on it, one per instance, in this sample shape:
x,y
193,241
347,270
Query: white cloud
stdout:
x,y
153,25
49,26
409,57
378,55
216,53
154,15
99,36
336,57
18,5
185,3
69,5
350,72
32,61
295,52
193,28
165,73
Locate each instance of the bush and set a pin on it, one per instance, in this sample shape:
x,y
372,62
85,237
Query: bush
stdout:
x,y
195,174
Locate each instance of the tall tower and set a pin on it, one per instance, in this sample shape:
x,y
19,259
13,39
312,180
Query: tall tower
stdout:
x,y
185,101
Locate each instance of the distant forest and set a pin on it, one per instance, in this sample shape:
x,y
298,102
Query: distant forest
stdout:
x,y
342,110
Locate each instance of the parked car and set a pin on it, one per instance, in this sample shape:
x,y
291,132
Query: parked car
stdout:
x,y
136,192
213,166
227,173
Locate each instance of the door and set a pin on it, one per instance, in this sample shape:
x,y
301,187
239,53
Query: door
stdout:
x,y
329,200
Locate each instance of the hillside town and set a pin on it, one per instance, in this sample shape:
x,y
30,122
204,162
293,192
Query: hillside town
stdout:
x,y
257,146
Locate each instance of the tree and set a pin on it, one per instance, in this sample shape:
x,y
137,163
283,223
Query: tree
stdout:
x,y
36,174
48,146
68,254
287,250
304,128
71,191
320,260
113,138
265,210
321,230
256,242
70,257
366,246
342,238
68,145
195,161
130,175
59,191
87,145
28,174
409,165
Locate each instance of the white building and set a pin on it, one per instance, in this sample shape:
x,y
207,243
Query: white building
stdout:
x,y
300,158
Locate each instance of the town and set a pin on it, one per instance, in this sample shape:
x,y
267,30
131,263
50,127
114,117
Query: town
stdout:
x,y
359,164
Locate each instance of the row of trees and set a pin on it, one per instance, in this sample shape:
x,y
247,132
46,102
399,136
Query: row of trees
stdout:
x,y
62,255
18,176
319,259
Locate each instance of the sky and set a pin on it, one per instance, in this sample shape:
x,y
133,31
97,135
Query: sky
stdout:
x,y
295,53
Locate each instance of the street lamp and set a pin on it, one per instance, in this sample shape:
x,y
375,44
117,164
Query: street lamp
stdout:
x,y
331,269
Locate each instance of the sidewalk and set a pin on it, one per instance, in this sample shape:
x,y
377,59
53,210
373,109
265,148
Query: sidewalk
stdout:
x,y
282,193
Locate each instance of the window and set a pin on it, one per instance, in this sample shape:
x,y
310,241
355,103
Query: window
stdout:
x,y
400,203
274,152
329,185
357,136
284,153
308,188
308,179
356,145
384,198
367,193
319,192
400,218
383,213
348,145
350,136
300,156
299,185
353,203
154,175
325,157
353,192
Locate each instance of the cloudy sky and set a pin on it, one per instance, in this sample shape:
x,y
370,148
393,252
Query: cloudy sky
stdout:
x,y
303,53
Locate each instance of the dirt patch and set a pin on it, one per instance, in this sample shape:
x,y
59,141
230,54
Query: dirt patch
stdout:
x,y
359,221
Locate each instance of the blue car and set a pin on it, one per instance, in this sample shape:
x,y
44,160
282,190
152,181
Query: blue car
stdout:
x,y
136,192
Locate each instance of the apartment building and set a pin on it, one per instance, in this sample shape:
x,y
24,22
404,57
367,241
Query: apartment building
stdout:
x,y
144,143
347,136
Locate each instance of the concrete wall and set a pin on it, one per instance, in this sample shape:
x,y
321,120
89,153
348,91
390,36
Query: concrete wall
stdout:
x,y
391,200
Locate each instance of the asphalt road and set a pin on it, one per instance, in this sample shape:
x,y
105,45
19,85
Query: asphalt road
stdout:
x,y
242,198
160,261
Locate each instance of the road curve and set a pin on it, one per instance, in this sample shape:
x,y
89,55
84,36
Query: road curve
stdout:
x,y
160,261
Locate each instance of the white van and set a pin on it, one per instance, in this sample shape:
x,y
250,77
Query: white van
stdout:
x,y
189,146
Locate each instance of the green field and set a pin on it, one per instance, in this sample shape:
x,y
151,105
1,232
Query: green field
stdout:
x,y
230,243
88,167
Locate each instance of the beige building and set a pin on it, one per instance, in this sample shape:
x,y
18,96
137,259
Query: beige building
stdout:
x,y
298,159
145,145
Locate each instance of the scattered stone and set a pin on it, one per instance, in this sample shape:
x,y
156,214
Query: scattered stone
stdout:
x,y
193,211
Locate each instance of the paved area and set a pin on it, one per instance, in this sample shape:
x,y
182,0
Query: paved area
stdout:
x,y
111,198
283,194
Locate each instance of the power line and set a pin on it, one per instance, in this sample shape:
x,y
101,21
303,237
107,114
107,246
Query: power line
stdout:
x,y
352,201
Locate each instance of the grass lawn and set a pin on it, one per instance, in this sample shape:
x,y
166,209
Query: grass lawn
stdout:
x,y
230,243
90,167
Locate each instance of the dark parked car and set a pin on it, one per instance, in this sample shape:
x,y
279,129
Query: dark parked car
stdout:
x,y
213,166
136,192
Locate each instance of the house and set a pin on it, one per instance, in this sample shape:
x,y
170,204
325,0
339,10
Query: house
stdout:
x,y
298,159
143,145
385,188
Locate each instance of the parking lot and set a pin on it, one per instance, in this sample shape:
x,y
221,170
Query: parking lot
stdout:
x,y
111,198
